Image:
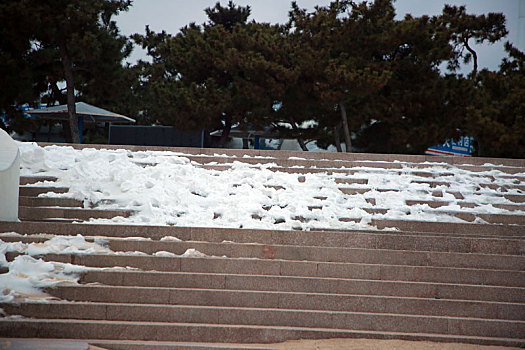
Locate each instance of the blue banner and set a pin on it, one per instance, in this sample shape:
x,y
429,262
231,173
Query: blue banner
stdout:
x,y
463,147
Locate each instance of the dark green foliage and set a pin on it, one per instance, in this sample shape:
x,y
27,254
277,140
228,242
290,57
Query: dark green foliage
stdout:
x,y
497,118
214,76
229,16
464,27
61,40
345,73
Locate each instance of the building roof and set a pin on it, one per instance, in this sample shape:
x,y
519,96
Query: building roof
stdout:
x,y
91,113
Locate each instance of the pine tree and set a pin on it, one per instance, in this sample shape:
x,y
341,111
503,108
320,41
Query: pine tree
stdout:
x,y
496,118
216,75
78,35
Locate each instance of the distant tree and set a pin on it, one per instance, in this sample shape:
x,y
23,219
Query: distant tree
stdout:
x,y
216,75
464,27
419,106
496,119
229,16
348,44
72,41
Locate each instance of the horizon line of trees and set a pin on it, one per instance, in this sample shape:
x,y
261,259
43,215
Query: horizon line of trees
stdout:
x,y
348,74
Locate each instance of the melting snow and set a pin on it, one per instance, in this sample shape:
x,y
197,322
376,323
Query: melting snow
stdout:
x,y
166,188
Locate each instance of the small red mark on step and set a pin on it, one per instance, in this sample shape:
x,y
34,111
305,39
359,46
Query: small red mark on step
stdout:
x,y
268,252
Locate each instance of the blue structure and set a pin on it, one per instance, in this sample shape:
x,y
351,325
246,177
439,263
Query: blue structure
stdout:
x,y
462,148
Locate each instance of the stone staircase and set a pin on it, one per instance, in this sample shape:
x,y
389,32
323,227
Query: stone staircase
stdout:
x,y
457,281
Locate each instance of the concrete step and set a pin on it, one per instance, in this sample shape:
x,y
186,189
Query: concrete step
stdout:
x,y
383,272
293,300
271,317
39,213
161,331
26,201
33,179
154,279
34,191
440,242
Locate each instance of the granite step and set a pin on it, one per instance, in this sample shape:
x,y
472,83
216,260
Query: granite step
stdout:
x,y
327,254
159,331
26,201
517,231
33,179
292,300
305,253
270,317
39,213
395,240
34,191
383,272
154,279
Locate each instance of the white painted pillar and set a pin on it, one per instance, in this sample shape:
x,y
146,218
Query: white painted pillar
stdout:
x,y
9,177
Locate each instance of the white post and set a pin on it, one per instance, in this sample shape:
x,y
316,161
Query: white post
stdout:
x,y
9,177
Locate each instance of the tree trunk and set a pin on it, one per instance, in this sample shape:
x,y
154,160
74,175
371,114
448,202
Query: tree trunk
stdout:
x,y
225,132
70,85
346,129
337,139
300,140
474,57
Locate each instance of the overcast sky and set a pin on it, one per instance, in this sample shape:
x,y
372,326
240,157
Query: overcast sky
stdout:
x,y
171,15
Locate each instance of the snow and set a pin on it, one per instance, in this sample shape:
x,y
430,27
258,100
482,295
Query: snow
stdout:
x,y
27,276
167,188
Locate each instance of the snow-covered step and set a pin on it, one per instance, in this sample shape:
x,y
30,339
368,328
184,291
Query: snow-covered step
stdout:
x,y
28,180
225,315
440,242
423,173
338,163
34,191
481,185
80,214
27,201
463,204
269,154
162,331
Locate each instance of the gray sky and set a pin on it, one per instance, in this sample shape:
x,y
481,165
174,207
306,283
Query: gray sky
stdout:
x,y
171,15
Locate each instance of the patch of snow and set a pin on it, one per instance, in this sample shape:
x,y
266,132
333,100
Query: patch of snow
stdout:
x,y
171,239
164,254
193,253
